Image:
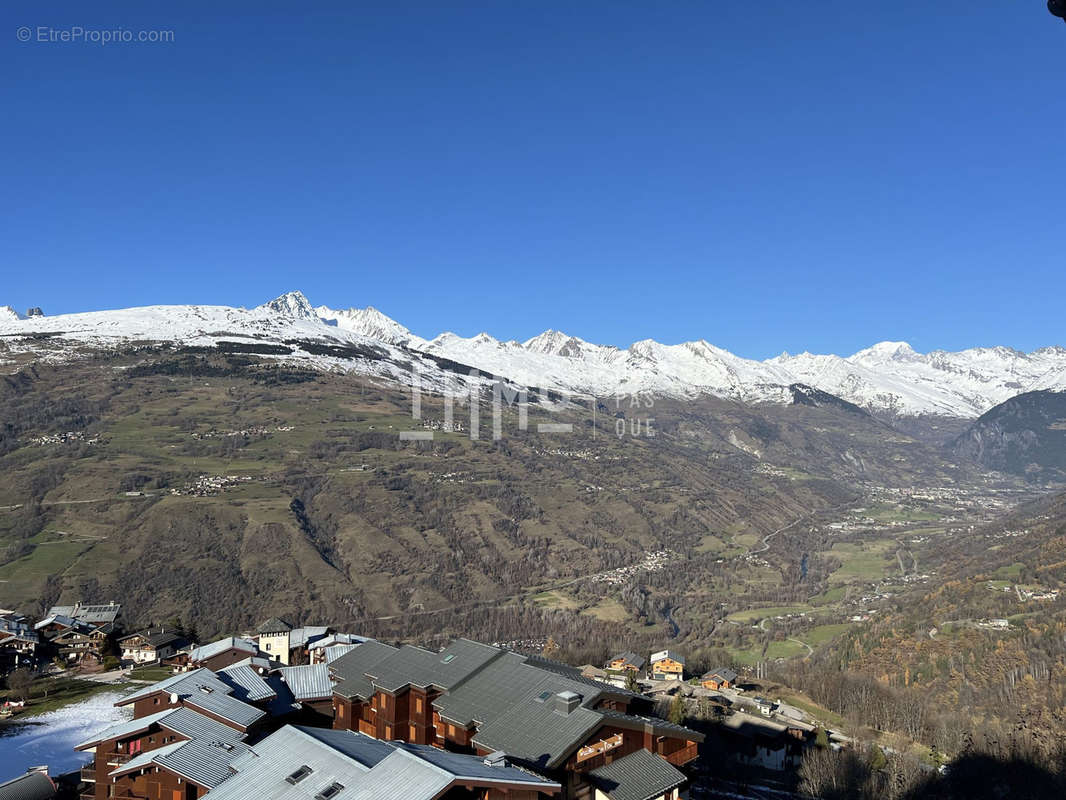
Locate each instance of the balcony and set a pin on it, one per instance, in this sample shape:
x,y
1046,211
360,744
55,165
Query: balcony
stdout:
x,y
118,758
683,756
88,774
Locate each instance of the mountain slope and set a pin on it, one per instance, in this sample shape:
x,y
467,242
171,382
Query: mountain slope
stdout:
x,y
1025,435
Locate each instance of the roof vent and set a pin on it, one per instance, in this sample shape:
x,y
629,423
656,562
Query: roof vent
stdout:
x,y
497,758
173,698
567,702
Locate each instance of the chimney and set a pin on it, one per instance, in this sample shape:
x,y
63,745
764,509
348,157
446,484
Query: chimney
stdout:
x,y
567,702
497,758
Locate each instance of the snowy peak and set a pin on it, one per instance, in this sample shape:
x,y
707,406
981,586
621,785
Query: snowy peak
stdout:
x,y
8,314
290,304
368,322
886,351
889,378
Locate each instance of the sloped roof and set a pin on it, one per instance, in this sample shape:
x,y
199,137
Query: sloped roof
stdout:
x,y
639,776
368,769
723,673
664,654
274,625
416,666
31,786
247,683
351,668
308,682
202,761
629,657
207,651
205,690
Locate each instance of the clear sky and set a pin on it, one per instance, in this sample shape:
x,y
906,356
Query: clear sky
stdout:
x,y
769,176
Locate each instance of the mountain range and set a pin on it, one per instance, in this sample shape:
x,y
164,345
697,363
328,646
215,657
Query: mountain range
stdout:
x,y
889,379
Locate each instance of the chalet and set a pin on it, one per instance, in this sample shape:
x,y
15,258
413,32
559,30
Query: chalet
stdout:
x,y
323,650
149,646
19,643
437,724
79,632
289,645
82,643
721,678
297,763
638,775
60,618
176,752
759,741
221,654
473,698
627,661
666,665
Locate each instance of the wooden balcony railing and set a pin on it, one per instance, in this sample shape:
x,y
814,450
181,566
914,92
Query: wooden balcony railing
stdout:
x,y
88,774
118,758
684,755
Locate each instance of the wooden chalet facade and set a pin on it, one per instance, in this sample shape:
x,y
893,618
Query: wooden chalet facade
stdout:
x,y
666,665
722,678
393,694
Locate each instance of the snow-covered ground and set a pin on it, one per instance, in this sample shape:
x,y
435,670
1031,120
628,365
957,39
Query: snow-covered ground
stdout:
x,y
50,738
889,376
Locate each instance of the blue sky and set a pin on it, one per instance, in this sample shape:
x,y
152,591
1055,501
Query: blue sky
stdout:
x,y
768,176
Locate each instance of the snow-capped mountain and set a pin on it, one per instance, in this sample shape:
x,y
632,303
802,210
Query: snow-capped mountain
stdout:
x,y
371,323
888,378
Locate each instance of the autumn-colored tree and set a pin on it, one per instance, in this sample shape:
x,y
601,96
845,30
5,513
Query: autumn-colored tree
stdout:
x,y
677,710
20,681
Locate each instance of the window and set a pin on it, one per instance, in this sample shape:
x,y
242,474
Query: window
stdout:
x,y
299,775
412,733
418,705
267,646
340,712
448,658
329,792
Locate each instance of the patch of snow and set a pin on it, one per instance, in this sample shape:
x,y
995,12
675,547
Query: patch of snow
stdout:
x,y
50,738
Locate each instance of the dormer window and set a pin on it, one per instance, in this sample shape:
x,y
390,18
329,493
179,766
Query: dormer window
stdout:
x,y
299,775
329,792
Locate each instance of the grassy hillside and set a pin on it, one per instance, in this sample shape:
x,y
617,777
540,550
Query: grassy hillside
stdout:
x,y
652,519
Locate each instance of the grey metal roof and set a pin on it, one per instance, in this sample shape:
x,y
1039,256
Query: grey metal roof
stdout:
x,y
122,729
186,722
247,683
202,761
207,651
300,637
186,680
31,786
351,668
639,776
335,651
513,701
202,689
630,658
308,682
183,721
418,667
368,769
724,673
274,625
